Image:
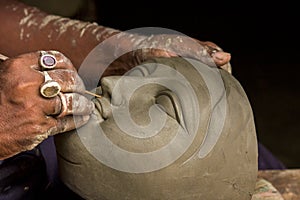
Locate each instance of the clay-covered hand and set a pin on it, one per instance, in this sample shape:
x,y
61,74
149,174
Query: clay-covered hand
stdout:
x,y
26,117
170,45
136,48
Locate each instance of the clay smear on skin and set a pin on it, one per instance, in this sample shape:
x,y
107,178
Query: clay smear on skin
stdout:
x,y
78,27
62,25
101,33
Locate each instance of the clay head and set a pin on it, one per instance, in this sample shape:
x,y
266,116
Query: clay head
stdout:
x,y
171,128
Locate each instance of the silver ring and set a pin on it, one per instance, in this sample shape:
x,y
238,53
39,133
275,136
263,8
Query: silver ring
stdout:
x,y
49,88
47,61
64,107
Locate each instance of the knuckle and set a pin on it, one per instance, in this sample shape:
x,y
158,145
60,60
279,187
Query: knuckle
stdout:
x,y
68,79
61,57
13,64
55,52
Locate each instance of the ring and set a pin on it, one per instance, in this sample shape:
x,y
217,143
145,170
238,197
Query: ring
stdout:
x,y
64,108
49,88
47,61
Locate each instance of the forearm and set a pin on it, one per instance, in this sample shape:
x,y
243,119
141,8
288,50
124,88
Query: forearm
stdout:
x,y
26,28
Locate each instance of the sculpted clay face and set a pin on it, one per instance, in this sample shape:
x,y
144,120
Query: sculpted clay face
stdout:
x,y
171,128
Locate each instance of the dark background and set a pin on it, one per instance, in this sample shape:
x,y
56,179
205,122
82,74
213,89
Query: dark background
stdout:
x,y
262,37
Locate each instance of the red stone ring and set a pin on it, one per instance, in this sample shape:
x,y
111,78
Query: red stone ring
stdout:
x,y
47,61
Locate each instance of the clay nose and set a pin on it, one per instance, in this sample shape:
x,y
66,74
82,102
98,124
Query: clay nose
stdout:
x,y
109,89
104,104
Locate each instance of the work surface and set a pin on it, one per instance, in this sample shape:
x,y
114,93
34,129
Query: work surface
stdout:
x,y
287,182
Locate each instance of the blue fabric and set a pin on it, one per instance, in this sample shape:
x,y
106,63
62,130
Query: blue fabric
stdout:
x,y
31,174
266,160
48,151
23,176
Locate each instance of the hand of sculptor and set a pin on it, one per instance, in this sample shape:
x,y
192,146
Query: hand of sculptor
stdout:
x,y
26,117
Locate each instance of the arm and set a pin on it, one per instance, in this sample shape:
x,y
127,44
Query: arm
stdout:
x,y
26,28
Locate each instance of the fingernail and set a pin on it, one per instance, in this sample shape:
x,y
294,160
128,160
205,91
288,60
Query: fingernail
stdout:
x,y
222,57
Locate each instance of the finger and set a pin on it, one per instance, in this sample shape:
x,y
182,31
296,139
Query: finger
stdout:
x,y
68,123
75,104
221,58
69,80
35,60
210,46
62,61
67,104
51,106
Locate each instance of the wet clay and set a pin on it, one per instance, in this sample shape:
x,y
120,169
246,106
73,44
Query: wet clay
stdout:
x,y
203,142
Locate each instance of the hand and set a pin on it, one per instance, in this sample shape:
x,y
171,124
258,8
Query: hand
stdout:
x,y
26,117
160,45
172,45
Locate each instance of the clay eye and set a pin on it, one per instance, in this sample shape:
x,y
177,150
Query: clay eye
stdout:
x,y
171,105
